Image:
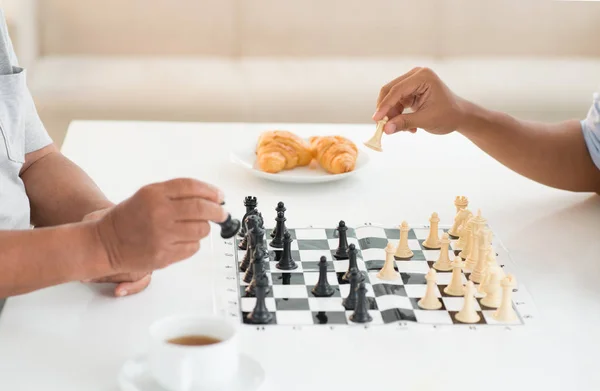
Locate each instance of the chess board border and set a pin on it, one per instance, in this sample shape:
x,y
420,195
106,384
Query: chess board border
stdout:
x,y
227,255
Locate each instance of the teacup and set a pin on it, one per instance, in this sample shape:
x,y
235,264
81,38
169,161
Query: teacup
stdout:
x,y
189,352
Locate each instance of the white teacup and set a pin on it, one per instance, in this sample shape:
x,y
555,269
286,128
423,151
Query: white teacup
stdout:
x,y
179,367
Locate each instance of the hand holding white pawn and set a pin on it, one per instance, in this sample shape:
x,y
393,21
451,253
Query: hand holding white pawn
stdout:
x,y
443,262
456,288
468,314
388,272
375,142
430,301
506,312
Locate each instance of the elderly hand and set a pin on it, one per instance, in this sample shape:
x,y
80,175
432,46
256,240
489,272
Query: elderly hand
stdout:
x,y
127,283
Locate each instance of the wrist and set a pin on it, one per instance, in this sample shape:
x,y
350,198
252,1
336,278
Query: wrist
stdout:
x,y
98,262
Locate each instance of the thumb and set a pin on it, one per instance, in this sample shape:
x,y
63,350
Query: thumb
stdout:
x,y
406,121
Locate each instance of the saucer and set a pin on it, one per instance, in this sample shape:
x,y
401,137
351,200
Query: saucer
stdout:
x,y
135,376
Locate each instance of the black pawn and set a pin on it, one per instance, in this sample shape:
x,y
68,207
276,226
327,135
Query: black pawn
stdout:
x,y
323,289
285,261
250,203
349,302
277,241
352,263
342,250
229,227
280,208
260,314
361,312
261,257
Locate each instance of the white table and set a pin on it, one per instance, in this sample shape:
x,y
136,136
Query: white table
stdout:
x,y
76,337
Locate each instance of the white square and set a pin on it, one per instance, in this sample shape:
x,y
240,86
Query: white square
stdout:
x,y
456,303
370,232
311,278
326,304
372,254
376,280
241,279
394,242
273,268
290,291
376,315
310,234
433,317
431,255
292,318
314,255
248,303
413,244
412,266
293,246
342,266
345,289
419,290
334,243
389,302
489,318
421,233
444,278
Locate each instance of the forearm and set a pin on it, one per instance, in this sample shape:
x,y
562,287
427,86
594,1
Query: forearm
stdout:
x,y
35,259
552,154
60,192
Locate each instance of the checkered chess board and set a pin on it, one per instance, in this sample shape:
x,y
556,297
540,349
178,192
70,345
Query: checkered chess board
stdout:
x,y
390,302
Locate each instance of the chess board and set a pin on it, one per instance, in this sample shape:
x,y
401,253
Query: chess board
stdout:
x,y
391,303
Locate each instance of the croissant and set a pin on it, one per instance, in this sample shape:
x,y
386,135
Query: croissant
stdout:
x,y
279,150
335,154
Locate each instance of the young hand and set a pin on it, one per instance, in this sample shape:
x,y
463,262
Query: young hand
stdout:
x,y
434,107
160,224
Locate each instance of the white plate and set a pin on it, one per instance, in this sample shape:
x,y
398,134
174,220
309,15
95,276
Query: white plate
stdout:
x,y
246,158
135,376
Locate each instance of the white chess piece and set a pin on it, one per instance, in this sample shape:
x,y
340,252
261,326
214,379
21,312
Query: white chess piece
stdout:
x,y
433,239
387,272
443,262
466,237
456,288
461,202
375,142
493,290
482,288
506,312
478,271
403,251
430,301
468,314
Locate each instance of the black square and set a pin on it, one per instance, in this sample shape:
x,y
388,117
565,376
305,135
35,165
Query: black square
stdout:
x,y
247,321
287,278
392,233
269,238
336,291
413,278
377,264
366,243
332,233
415,303
342,282
389,289
291,304
313,244
397,315
275,255
329,317
313,266
358,255
453,316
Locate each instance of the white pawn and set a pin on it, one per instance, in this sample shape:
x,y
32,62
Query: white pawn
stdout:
x,y
493,290
468,314
506,312
456,288
433,240
430,300
387,272
403,251
443,262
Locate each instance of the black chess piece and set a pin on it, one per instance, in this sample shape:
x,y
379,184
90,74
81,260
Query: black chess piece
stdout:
x,y
323,289
244,242
342,250
252,234
277,241
261,257
229,227
285,261
361,312
352,263
250,203
280,208
260,314
349,302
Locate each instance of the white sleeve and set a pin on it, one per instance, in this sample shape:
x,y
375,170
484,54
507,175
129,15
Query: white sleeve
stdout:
x,y
591,130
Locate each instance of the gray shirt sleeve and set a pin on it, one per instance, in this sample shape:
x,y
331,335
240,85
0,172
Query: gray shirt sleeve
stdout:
x,y
36,136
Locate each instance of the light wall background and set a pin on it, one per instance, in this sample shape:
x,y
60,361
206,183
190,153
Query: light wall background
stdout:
x,y
299,60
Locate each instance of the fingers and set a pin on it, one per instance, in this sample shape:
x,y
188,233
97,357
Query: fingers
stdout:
x,y
187,188
402,91
379,114
123,277
190,209
184,250
189,231
403,122
130,288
